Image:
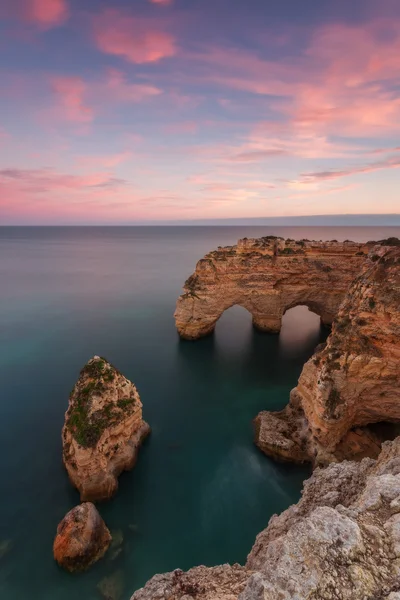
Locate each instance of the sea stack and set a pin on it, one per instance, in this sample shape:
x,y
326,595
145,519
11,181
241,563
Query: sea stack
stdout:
x,y
103,430
82,538
351,382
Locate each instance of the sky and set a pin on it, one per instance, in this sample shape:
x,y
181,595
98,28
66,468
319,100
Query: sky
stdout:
x,y
135,111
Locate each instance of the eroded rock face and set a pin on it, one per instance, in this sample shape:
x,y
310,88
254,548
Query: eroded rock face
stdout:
x,y
351,382
82,538
225,582
103,430
340,542
267,276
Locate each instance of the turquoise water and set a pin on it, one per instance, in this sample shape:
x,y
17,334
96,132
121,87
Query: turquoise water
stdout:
x,y
200,491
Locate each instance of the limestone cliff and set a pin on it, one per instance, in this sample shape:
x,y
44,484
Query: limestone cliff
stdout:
x,y
351,382
340,542
103,429
267,276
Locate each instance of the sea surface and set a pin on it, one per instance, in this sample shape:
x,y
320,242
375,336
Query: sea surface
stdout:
x,y
201,490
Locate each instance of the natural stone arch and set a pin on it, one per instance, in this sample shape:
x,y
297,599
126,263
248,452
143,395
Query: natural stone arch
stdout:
x,y
267,276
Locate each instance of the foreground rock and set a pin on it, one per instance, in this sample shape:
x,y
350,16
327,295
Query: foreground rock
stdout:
x,y
267,276
352,382
340,542
202,583
103,430
82,538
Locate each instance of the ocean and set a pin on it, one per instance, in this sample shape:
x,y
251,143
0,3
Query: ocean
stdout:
x,y
201,491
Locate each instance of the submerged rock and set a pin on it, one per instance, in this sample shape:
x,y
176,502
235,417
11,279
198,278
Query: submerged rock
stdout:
x,y
112,587
351,382
103,430
82,538
5,546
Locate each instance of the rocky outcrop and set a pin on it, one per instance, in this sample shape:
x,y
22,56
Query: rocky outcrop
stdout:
x,y
268,276
351,382
340,542
103,430
82,538
225,582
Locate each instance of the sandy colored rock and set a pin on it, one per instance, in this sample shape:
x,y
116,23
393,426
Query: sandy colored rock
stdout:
x,y
352,382
268,276
103,430
82,538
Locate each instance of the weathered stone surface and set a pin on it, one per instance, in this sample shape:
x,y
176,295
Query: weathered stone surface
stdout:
x,y
267,276
225,582
340,542
82,538
351,382
103,430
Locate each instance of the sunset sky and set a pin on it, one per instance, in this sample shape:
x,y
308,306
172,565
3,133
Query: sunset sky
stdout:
x,y
131,111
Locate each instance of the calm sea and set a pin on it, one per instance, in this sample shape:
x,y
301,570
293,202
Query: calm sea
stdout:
x,y
200,491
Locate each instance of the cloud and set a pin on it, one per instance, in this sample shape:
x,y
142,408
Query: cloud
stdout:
x,y
137,40
49,180
46,13
162,2
313,178
70,93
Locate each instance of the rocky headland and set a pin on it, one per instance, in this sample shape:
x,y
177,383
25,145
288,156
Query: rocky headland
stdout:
x,y
351,382
103,430
268,276
341,541
82,538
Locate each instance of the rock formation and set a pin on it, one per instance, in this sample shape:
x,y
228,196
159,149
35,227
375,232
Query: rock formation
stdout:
x,y
267,276
103,430
340,542
352,381
225,582
82,538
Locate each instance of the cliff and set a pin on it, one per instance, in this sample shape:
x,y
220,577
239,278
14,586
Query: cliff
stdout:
x,y
340,542
103,430
352,382
267,276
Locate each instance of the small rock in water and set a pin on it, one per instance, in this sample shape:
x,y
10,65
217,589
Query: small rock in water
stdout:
x,y
82,538
116,543
112,587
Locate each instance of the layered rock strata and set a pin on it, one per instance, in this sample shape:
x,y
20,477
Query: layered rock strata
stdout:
x,y
352,381
103,430
82,538
268,276
340,542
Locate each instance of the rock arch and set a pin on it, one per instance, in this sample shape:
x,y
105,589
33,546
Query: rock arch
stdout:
x,y
268,276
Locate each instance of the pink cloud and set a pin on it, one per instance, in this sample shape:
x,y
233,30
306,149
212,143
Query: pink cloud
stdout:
x,y
162,2
136,39
70,93
46,13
